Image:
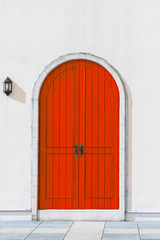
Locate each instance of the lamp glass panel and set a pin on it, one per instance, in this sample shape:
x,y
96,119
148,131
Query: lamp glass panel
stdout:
x,y
10,86
7,86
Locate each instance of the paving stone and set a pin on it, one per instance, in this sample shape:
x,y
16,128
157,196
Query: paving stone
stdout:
x,y
150,231
45,236
2,223
150,236
51,230
12,236
123,225
85,231
15,230
149,225
23,224
55,224
121,237
121,230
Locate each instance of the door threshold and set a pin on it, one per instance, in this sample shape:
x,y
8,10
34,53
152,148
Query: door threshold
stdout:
x,y
81,215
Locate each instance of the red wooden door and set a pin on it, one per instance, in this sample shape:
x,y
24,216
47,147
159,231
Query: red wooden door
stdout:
x,y
79,104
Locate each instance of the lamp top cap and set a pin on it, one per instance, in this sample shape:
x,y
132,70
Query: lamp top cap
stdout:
x,y
8,80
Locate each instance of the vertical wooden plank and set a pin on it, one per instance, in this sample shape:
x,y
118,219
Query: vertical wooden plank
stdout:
x,y
56,140
50,111
62,133
47,200
95,135
81,132
112,157
88,136
108,144
49,175
49,142
42,154
76,133
117,149
108,109
108,183
101,139
115,140
70,181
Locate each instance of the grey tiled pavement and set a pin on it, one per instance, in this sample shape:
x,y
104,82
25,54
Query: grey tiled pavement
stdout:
x,y
79,230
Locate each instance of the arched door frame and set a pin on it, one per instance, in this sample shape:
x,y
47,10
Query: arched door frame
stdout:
x,y
97,214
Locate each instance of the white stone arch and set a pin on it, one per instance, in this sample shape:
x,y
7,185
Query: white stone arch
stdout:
x,y
95,214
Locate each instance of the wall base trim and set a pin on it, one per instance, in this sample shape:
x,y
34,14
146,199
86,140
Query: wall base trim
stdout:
x,y
91,215
15,215
142,216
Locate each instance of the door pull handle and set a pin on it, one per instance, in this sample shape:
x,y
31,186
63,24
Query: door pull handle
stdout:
x,y
81,150
76,150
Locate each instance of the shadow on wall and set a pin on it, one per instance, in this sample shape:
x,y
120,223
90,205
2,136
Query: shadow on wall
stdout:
x,y
128,163
18,94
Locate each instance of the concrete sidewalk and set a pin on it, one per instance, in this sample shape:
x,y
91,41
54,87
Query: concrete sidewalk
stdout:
x,y
78,230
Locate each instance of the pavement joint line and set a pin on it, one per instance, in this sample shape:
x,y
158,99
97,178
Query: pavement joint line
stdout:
x,y
33,230
103,230
139,231
68,230
4,225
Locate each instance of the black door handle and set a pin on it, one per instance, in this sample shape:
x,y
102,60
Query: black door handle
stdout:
x,y
76,150
81,150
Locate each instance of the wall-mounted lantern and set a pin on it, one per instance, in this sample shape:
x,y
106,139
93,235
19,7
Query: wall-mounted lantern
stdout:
x,y
7,86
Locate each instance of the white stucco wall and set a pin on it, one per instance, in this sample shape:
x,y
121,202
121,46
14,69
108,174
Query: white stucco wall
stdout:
x,y
124,32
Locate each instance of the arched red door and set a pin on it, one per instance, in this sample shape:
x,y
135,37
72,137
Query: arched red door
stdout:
x,y
79,138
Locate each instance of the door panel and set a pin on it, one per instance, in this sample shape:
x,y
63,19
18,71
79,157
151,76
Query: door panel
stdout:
x,y
101,144
101,177
79,103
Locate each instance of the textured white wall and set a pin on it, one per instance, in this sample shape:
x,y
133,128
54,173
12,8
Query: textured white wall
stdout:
x,y
124,32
